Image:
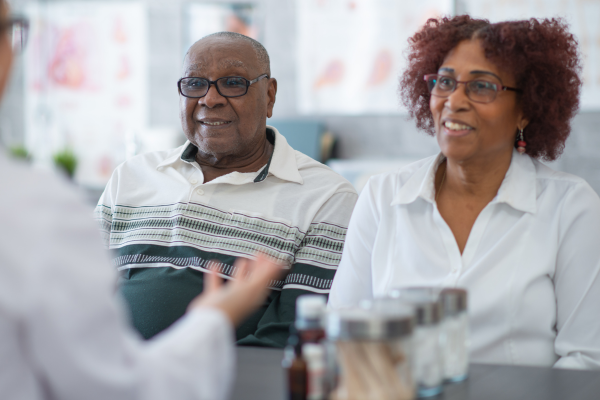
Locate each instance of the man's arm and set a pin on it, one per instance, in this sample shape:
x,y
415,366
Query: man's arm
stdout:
x,y
313,270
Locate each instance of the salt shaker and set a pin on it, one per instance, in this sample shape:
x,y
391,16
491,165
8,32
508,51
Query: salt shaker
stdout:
x,y
428,364
455,326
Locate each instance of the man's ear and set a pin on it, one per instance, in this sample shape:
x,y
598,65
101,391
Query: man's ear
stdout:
x,y
271,94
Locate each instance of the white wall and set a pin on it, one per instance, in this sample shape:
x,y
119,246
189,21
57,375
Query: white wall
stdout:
x,y
360,136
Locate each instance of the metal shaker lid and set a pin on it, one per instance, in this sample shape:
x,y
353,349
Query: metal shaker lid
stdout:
x,y
425,300
369,324
454,300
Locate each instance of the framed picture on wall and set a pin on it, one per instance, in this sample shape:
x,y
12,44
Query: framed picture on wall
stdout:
x,y
86,84
583,17
350,52
201,19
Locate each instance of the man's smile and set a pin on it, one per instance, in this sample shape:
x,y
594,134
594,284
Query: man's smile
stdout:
x,y
214,122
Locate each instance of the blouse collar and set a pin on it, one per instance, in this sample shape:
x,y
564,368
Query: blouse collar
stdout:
x,y
518,188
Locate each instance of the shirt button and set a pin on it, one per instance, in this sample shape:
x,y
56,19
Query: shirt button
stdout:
x,y
199,192
455,270
193,181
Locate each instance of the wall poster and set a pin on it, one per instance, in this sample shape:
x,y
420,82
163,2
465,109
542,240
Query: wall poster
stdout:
x,y
86,84
350,53
202,19
583,17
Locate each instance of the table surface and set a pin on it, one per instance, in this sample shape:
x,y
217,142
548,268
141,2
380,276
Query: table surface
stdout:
x,y
261,377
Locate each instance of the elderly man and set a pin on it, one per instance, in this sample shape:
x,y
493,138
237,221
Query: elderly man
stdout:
x,y
233,189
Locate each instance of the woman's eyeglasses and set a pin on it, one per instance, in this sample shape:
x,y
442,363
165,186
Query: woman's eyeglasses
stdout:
x,y
479,91
227,86
18,30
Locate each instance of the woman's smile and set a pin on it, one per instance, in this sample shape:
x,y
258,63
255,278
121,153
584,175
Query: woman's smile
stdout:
x,y
456,129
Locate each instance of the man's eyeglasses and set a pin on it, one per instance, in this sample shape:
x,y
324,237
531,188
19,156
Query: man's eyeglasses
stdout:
x,y
227,86
479,91
18,30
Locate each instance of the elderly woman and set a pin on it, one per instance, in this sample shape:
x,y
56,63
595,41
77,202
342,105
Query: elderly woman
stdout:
x,y
485,214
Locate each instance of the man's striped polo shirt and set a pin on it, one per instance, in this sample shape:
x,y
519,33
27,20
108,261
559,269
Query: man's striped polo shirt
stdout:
x,y
166,227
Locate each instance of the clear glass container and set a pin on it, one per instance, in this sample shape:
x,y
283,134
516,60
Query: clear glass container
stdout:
x,y
428,364
428,360
455,328
373,350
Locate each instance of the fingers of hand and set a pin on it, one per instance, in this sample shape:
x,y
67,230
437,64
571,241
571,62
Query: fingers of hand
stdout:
x,y
212,281
266,269
241,268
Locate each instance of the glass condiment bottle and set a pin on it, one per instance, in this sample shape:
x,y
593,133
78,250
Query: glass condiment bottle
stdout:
x,y
296,369
307,329
455,326
428,363
374,353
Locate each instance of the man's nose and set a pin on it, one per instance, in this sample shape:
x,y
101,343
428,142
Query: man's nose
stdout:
x,y
213,98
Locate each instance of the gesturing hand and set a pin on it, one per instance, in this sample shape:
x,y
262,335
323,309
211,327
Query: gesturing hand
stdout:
x,y
242,295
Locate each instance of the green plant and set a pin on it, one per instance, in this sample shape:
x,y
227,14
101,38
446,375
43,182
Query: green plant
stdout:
x,y
19,152
66,160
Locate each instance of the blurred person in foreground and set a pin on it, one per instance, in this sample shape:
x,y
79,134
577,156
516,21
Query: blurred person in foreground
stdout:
x,y
234,188
63,334
485,214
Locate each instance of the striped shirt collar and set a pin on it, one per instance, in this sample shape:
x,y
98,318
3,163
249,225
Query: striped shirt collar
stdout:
x,y
281,164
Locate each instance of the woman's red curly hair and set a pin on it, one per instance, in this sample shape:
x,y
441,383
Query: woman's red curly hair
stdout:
x,y
540,53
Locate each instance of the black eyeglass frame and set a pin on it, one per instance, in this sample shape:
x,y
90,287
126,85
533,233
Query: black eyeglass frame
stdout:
x,y
499,87
248,83
9,23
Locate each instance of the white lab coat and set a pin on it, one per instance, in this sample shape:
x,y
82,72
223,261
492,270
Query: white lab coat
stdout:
x,y
64,333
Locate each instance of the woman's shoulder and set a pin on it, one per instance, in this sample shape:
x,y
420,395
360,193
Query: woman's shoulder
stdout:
x,y
550,176
563,184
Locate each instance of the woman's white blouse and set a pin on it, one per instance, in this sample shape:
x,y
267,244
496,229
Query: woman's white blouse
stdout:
x,y
531,263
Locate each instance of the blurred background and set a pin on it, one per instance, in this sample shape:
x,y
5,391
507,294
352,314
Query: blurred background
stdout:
x,y
97,82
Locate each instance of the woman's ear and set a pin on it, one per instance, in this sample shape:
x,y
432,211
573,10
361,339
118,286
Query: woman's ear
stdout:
x,y
522,122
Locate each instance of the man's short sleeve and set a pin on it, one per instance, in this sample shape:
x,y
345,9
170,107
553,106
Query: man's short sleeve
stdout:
x,y
103,211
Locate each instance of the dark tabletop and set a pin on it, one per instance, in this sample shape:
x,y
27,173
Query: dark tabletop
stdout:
x,y
260,377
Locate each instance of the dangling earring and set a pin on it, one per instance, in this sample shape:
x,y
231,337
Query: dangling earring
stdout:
x,y
521,143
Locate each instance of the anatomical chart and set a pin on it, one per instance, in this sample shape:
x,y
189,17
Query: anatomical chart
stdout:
x,y
350,53
86,86
583,17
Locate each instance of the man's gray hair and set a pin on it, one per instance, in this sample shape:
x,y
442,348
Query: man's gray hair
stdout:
x,y
264,61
